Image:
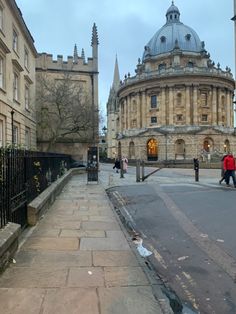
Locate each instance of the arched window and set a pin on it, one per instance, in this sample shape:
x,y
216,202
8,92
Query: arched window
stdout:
x,y
179,99
179,149
152,150
131,150
223,102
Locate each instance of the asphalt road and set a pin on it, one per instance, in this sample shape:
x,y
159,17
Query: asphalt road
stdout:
x,y
190,228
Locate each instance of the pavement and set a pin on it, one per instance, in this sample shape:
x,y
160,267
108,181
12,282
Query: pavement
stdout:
x,y
79,259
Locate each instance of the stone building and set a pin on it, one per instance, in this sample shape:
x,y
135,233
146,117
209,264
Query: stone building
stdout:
x,y
82,73
17,78
179,104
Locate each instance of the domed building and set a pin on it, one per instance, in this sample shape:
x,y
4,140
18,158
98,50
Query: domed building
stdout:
x,y
179,104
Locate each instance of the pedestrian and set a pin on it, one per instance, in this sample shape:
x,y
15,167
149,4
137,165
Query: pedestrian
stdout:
x,y
117,165
229,167
222,169
125,164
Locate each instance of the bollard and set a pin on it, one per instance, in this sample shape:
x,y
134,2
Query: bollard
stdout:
x,y
121,170
138,171
143,174
196,168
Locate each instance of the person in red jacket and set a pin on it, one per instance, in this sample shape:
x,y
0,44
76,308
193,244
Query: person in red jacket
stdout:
x,y
229,167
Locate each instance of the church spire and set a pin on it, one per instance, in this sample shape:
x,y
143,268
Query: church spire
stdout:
x,y
83,55
116,77
75,54
94,40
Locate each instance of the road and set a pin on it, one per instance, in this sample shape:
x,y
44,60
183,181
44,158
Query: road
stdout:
x,y
190,228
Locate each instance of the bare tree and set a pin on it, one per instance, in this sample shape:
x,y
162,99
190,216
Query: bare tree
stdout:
x,y
65,110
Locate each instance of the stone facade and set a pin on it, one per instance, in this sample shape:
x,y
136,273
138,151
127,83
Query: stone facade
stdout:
x,y
83,74
179,105
17,79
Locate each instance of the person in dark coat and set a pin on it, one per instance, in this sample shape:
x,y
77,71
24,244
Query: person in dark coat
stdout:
x,y
229,167
117,165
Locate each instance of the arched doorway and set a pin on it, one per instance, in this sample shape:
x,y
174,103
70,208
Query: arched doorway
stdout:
x,y
152,150
208,145
180,149
131,150
226,146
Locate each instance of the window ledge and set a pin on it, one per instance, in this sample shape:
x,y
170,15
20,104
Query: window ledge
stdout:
x,y
3,90
16,101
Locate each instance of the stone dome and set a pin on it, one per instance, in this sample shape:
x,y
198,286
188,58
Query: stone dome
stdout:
x,y
173,35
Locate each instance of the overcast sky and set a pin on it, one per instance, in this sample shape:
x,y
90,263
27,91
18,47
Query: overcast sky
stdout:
x,y
124,28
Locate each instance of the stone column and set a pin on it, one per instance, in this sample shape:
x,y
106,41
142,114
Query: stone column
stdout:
x,y
228,109
121,117
163,106
144,106
138,111
195,105
171,106
214,106
129,112
188,106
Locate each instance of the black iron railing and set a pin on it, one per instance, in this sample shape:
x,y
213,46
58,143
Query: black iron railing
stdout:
x,y
23,176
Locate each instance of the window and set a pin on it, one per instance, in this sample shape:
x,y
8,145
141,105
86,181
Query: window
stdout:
x,y
2,72
1,18
153,101
188,37
153,119
15,134
26,59
163,39
27,138
1,133
179,117
190,64
27,97
204,99
15,41
204,118
15,87
161,66
134,123
179,99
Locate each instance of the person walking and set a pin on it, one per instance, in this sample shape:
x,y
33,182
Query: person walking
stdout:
x,y
117,165
125,164
229,167
222,169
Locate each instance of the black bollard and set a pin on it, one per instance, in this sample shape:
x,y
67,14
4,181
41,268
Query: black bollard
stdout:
x,y
196,168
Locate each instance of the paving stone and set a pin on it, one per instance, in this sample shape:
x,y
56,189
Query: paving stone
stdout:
x,y
58,259
103,218
98,244
82,233
71,301
86,277
61,224
128,300
99,225
114,258
38,277
45,232
57,244
21,301
125,276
